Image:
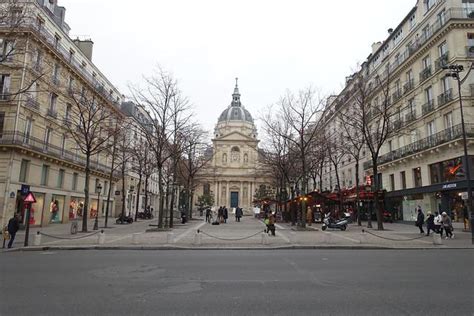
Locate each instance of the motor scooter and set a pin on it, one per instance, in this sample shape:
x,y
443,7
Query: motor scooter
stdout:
x,y
330,223
124,219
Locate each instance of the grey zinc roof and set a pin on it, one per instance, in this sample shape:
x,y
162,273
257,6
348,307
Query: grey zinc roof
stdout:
x,y
235,113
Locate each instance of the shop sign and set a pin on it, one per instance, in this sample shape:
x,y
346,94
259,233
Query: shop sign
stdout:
x,y
449,186
464,195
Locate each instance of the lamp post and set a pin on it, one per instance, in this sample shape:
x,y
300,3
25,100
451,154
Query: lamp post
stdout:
x,y
130,192
98,189
454,71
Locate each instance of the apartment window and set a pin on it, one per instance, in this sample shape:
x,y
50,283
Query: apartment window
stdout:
x,y
106,188
4,87
431,128
47,137
426,31
417,177
25,164
443,49
38,59
67,114
448,120
445,84
71,84
39,24
2,122
429,94
468,6
390,146
61,174
403,179
44,175
412,21
426,62
75,176
392,182
57,40
7,50
442,17
63,144
56,70
52,103
429,4
71,55
28,128
409,75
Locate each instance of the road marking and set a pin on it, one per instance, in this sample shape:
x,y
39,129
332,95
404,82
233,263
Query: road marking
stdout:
x,y
190,229
344,237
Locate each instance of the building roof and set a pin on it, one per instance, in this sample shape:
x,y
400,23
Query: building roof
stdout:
x,y
235,111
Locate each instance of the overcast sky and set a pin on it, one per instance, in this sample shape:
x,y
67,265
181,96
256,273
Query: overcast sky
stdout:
x,y
271,45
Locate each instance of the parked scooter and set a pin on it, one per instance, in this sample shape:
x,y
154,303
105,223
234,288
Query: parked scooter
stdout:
x,y
147,214
331,223
124,219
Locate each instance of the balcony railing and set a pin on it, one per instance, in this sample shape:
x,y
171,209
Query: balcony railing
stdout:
x,y
428,107
32,103
52,113
470,51
29,142
408,86
50,39
410,117
396,96
397,124
445,97
5,96
434,140
441,61
425,73
55,81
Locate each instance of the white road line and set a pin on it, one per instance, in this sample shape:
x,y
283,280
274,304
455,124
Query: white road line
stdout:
x,y
188,231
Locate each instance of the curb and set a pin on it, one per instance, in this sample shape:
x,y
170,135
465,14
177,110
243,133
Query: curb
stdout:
x,y
290,247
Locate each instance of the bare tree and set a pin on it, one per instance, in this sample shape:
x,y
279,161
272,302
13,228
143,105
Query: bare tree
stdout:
x,y
335,154
91,125
372,100
302,112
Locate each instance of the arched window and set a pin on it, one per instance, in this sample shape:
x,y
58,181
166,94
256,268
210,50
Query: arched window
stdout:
x,y
235,154
224,158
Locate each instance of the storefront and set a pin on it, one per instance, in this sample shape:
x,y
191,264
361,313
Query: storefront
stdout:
x,y
56,209
76,205
36,210
93,208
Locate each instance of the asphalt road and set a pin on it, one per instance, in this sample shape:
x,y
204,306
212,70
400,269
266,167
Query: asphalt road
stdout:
x,y
260,282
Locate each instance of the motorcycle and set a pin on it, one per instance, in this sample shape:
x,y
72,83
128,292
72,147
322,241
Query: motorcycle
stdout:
x,y
124,219
145,215
336,224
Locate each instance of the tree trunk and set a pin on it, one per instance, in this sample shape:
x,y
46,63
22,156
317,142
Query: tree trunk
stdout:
x,y
191,198
160,206
123,190
111,176
377,207
147,178
359,221
86,193
139,186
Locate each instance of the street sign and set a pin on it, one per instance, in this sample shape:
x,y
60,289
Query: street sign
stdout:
x,y
25,189
30,198
464,195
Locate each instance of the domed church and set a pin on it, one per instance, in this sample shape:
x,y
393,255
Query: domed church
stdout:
x,y
234,173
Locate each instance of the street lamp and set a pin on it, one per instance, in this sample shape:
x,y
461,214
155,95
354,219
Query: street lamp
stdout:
x,y
130,192
453,71
98,189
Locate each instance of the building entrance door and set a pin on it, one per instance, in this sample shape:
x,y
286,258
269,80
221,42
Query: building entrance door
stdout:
x,y
234,199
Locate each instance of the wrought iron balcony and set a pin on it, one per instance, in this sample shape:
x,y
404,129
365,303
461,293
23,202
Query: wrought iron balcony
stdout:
x,y
32,103
470,51
397,124
425,73
55,81
445,97
410,117
52,113
408,86
11,138
396,96
5,96
426,143
441,61
428,107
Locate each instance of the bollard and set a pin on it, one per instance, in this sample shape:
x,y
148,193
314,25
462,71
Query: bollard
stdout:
x,y
293,237
264,238
363,238
101,239
170,238
197,239
37,241
135,238
437,239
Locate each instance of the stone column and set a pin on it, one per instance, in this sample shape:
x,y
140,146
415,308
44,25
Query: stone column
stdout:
x,y
216,193
227,200
241,194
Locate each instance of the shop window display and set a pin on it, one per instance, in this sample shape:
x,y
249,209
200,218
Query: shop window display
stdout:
x,y
75,208
447,171
93,210
35,210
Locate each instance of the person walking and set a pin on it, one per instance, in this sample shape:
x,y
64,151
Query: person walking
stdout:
x,y
438,221
430,223
238,214
271,224
208,215
225,214
13,227
447,225
465,214
420,219
220,217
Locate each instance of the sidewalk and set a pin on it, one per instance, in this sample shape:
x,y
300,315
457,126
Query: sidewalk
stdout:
x,y
247,234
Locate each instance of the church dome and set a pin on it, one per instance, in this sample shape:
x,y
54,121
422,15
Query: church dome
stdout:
x,y
235,112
